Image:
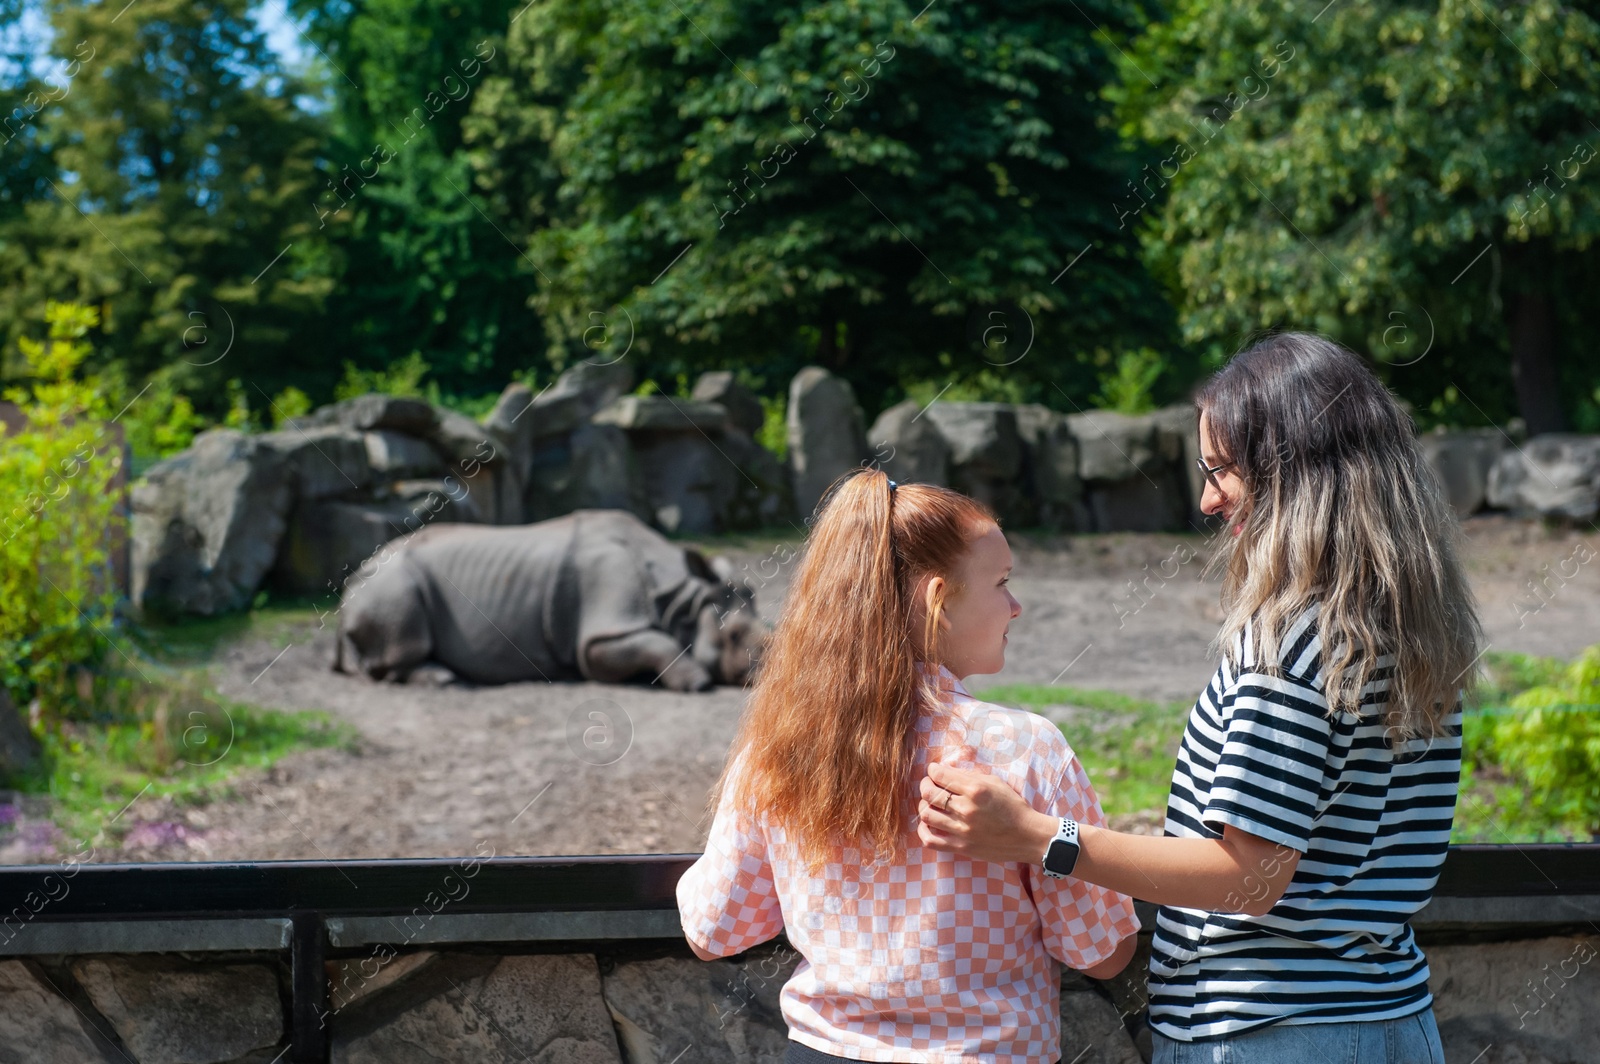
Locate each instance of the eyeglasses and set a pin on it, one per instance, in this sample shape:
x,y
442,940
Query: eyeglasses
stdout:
x,y
1211,473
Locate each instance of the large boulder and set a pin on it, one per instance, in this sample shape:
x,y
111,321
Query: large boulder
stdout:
x,y
326,461
1553,475
744,408
521,419
826,434
985,453
908,446
1462,459
1050,468
594,467
370,412
328,539
637,413
1178,441
207,524
393,455
1128,467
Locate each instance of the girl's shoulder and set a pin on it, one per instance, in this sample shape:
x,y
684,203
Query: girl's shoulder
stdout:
x,y
1020,746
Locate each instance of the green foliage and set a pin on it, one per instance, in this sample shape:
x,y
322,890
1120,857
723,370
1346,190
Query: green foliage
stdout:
x,y
289,403
1546,744
774,431
830,182
1342,169
56,591
170,187
401,378
1130,388
158,733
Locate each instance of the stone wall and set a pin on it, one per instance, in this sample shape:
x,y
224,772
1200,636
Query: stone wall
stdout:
x,y
300,509
1529,1001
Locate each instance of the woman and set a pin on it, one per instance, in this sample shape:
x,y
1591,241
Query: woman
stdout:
x,y
909,955
1316,782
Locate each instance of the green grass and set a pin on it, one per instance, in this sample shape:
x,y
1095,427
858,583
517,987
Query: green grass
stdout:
x,y
1129,747
154,727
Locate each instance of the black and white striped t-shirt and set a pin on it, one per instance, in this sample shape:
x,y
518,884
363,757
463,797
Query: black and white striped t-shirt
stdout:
x,y
1260,753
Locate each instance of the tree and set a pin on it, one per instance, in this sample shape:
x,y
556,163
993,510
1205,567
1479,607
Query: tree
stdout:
x,y
425,267
1395,175
171,194
875,188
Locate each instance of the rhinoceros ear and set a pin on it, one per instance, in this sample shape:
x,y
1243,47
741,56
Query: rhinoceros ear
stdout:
x,y
698,566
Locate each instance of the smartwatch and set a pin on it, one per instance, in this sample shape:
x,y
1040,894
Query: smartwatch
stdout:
x,y
1062,853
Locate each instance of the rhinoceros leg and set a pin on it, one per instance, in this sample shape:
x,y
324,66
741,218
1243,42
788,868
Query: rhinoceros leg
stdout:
x,y
651,652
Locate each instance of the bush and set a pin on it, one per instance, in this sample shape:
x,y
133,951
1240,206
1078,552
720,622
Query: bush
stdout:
x,y
56,592
1548,740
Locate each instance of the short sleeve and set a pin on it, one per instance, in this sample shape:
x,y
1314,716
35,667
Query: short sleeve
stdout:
x,y
727,900
1275,742
1083,923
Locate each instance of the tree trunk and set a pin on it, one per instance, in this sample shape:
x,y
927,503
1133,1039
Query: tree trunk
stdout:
x,y
1531,326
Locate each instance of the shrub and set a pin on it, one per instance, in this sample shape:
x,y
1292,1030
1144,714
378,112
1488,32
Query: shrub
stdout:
x,y
56,591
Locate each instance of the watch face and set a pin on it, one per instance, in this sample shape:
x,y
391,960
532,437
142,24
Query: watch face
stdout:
x,y
1061,856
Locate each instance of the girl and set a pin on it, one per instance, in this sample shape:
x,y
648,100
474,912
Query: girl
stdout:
x,y
909,955
1316,782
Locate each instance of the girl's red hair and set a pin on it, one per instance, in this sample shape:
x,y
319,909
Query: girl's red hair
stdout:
x,y
827,737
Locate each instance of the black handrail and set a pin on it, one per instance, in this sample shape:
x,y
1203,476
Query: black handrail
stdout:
x,y
561,883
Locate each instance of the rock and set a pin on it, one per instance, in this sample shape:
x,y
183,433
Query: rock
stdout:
x,y
701,483
207,523
169,1011
1462,460
19,750
745,411
539,1009
394,454
1178,441
662,412
373,412
1092,1031
726,1009
826,436
1114,446
520,418
38,1024
1050,468
460,439
445,499
329,539
1528,1002
760,496
325,461
1145,502
909,447
985,453
595,467
685,478
357,977
1554,475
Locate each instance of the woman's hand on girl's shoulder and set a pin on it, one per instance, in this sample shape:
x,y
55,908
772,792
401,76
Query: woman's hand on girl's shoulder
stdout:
x,y
978,815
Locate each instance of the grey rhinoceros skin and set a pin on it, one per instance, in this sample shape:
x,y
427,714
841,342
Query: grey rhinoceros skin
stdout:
x,y
593,594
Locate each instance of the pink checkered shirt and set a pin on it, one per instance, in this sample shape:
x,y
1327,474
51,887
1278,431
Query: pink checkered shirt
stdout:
x,y
934,958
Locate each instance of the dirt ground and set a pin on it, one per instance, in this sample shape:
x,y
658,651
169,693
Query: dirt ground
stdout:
x,y
540,768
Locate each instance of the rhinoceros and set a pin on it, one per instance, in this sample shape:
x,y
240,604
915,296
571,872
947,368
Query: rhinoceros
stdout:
x,y
593,594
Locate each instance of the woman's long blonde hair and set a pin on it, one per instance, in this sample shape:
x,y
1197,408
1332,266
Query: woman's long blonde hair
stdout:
x,y
828,738
1343,510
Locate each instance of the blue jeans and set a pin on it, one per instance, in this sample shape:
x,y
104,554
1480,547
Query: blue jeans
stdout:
x,y
1410,1039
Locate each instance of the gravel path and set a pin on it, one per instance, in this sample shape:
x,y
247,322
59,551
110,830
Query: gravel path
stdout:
x,y
539,768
